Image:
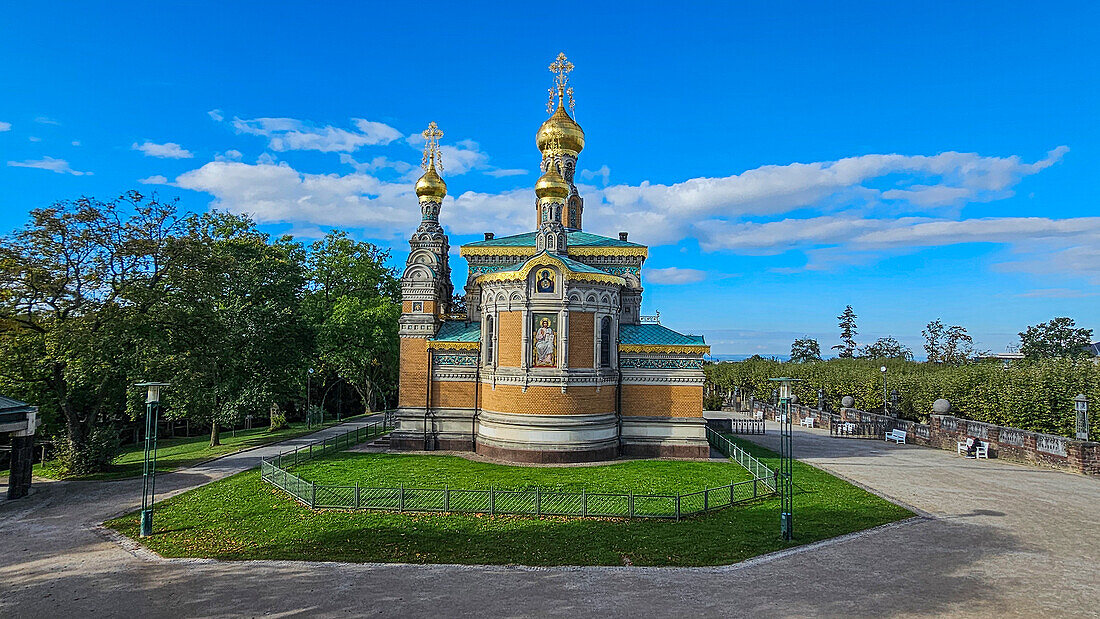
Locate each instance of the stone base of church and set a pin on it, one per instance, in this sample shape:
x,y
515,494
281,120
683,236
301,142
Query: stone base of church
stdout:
x,y
665,437
549,439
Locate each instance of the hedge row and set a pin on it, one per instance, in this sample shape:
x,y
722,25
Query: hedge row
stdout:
x,y
1036,396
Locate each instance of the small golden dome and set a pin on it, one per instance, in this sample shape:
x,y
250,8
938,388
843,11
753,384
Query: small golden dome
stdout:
x,y
560,125
431,186
552,185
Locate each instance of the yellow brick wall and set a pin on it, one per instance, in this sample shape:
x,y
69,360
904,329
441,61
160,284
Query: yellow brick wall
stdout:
x,y
581,352
450,394
510,339
412,383
663,400
550,400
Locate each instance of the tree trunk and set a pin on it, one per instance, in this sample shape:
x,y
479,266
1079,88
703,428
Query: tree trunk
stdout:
x,y
215,439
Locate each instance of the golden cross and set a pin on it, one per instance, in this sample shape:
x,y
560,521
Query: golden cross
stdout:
x,y
560,68
431,147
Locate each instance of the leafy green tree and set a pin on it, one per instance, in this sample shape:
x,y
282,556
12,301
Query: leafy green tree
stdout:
x,y
887,348
804,350
945,344
1058,338
78,290
352,304
847,347
233,340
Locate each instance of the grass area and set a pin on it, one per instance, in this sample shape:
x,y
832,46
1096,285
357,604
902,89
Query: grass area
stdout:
x,y
242,518
177,453
418,471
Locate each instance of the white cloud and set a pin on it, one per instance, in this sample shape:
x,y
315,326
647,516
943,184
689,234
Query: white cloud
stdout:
x,y
378,163
502,173
229,155
216,115
43,120
285,134
668,212
674,276
168,150
34,139
5,126
49,163
1056,293
156,179
75,142
604,174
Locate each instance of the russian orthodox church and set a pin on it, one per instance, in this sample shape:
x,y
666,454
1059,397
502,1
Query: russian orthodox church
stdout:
x,y
553,361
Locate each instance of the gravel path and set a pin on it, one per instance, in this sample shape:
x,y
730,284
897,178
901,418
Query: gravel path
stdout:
x,y
993,539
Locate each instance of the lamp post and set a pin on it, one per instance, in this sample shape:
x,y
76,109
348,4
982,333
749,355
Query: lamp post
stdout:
x,y
149,469
1081,406
885,409
785,477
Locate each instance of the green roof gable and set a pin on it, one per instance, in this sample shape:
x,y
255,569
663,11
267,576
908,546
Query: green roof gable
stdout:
x,y
651,334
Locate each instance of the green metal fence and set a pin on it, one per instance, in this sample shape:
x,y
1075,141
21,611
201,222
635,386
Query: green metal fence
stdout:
x,y
742,457
530,502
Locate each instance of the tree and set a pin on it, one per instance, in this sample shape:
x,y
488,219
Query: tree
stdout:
x,y
958,346
947,344
887,348
933,341
848,331
353,305
458,304
232,339
1058,338
804,350
78,292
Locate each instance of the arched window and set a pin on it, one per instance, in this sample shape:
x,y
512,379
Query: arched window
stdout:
x,y
489,339
605,342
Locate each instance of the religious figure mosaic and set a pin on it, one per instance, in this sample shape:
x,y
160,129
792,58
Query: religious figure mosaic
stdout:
x,y
545,347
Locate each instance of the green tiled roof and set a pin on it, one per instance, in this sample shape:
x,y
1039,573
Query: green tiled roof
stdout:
x,y
651,334
459,331
577,238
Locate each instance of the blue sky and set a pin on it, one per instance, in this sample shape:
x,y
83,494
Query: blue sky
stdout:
x,y
782,160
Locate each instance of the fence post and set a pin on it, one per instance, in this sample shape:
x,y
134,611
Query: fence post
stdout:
x,y
538,502
357,494
731,492
584,503
632,503
446,499
677,507
492,502
312,495
706,499
754,482
401,498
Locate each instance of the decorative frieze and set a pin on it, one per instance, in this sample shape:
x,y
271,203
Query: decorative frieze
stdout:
x,y
455,359
649,363
1050,444
1011,436
977,430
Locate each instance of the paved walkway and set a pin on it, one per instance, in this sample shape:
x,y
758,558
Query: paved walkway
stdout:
x,y
998,540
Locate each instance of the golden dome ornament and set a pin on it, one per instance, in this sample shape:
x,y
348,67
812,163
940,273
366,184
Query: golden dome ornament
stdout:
x,y
570,134
431,186
552,186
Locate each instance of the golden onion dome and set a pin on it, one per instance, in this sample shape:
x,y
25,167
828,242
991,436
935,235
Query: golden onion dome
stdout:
x,y
566,131
431,186
552,185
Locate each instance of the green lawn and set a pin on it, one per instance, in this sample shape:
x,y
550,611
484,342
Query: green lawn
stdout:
x,y
242,518
417,471
177,453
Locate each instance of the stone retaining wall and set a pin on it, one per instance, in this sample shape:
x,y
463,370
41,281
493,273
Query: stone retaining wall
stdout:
x,y
946,431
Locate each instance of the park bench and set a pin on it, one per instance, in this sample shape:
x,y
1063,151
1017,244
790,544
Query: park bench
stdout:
x,y
807,422
981,452
898,436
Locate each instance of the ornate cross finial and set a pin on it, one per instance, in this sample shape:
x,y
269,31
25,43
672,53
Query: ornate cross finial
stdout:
x,y
560,68
431,147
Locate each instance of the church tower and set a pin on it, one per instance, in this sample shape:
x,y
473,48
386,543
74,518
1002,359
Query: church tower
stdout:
x,y
561,140
426,287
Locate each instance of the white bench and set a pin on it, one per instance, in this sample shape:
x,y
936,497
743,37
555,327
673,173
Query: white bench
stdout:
x,y
807,422
898,436
982,452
